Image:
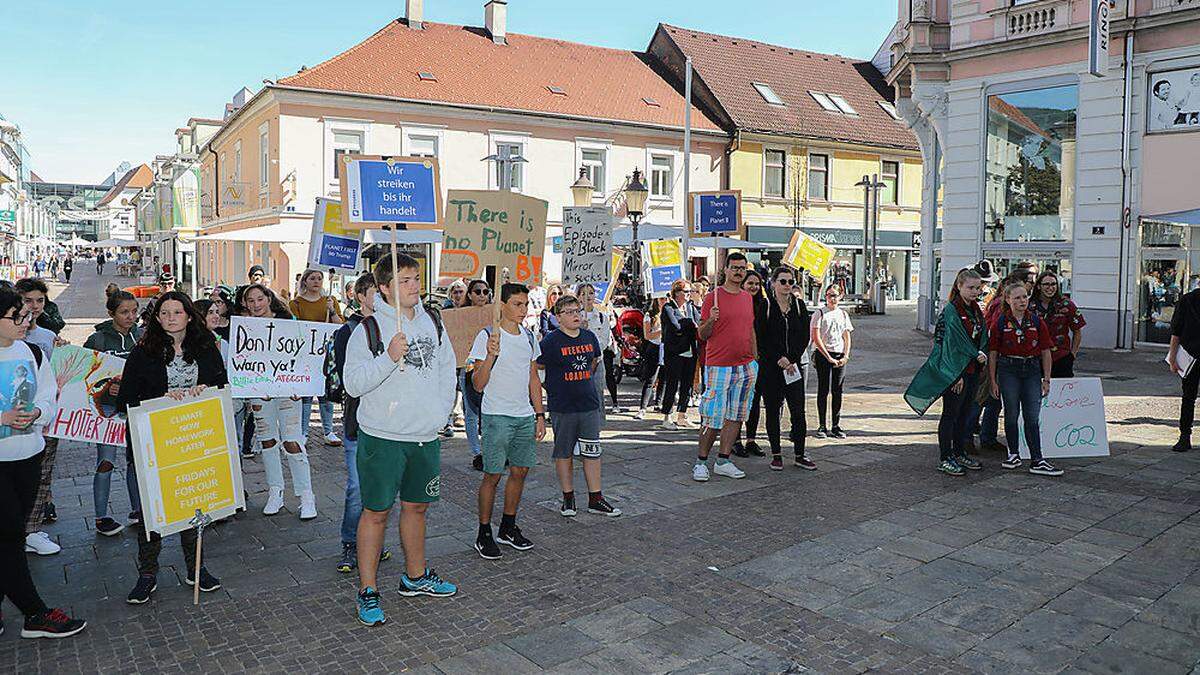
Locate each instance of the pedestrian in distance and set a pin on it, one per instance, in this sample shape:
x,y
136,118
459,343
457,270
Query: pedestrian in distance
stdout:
x,y
650,353
456,295
478,295
1185,336
312,304
176,357
570,355
831,329
730,370
783,331
679,321
391,367
753,284
1019,363
68,266
101,258
1064,321
547,320
505,373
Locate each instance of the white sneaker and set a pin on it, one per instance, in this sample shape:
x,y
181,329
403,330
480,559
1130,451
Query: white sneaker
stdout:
x,y
728,470
640,414
274,502
669,424
308,506
41,544
332,439
616,409
700,472
684,423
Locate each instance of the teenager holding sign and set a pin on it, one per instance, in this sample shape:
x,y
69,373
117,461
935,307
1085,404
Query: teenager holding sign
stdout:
x,y
312,304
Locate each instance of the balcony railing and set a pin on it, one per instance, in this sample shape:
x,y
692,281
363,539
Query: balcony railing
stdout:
x,y
1023,20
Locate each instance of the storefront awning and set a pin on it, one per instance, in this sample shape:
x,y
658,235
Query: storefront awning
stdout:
x,y
623,236
119,243
1189,217
276,233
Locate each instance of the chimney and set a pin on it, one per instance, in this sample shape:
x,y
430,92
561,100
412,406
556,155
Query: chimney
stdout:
x,y
415,12
495,18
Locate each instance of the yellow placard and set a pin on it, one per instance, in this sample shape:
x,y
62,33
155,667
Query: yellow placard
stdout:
x,y
332,224
187,433
204,484
805,252
192,453
665,253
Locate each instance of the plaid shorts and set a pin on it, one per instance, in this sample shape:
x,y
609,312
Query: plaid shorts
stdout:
x,y
728,393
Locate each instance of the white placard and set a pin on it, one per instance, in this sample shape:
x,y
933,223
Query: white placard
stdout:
x,y
276,357
1072,420
587,245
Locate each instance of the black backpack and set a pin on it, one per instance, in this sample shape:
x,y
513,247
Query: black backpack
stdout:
x,y
473,397
375,338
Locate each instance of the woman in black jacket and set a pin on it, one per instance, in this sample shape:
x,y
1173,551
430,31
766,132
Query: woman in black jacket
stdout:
x,y
177,357
679,321
782,330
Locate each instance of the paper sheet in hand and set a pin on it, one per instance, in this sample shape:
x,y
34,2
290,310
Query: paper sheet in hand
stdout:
x,y
792,374
1184,360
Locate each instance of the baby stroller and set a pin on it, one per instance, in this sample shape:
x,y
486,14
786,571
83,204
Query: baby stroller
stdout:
x,y
627,336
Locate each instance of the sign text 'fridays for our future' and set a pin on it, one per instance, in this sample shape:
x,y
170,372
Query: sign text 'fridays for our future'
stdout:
x,y
276,357
494,228
378,191
1072,420
587,245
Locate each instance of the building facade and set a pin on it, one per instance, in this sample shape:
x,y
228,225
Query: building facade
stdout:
x,y
26,222
1029,155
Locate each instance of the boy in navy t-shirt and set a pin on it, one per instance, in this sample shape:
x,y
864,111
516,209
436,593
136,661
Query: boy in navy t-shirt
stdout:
x,y
569,356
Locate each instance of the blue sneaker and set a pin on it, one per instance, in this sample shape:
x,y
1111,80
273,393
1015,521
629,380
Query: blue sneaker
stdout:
x,y
369,611
429,584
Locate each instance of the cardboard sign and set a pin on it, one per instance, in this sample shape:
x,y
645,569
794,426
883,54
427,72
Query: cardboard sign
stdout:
x,y
462,325
664,265
715,212
808,254
587,245
276,357
333,247
604,289
187,459
494,228
86,404
1072,420
378,191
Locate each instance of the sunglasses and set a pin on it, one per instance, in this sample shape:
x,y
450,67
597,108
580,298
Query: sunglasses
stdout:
x,y
480,291
785,282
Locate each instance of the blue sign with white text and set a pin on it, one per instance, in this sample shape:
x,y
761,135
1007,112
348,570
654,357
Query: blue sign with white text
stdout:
x,y
661,278
716,213
339,252
399,192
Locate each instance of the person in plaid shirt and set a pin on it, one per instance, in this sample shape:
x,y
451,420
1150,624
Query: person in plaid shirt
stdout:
x,y
1063,319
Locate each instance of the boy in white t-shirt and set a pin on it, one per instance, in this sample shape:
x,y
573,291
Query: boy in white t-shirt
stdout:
x,y
505,371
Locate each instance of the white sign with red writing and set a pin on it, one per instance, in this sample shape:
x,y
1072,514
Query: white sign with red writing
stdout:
x,y
1072,420
88,382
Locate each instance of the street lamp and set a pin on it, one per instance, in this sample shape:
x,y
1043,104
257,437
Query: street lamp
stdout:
x,y
871,186
505,163
582,189
635,200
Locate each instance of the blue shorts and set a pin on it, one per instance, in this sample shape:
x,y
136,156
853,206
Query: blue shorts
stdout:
x,y
727,394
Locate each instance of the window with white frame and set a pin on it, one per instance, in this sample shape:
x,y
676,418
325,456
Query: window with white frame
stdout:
x,y
264,155
661,176
890,177
842,104
419,145
345,143
237,162
818,177
774,173
594,161
505,150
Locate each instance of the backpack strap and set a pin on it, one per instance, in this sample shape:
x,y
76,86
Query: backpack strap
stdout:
x,y
374,339
435,313
37,353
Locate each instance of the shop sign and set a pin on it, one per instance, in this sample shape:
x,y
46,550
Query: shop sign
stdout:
x,y
8,216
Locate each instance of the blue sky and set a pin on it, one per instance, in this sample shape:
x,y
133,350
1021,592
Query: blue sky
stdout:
x,y
94,83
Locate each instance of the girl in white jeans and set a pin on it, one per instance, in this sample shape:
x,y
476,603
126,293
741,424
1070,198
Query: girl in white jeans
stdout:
x,y
277,420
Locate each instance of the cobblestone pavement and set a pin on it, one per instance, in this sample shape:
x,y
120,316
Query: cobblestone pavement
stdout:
x,y
874,562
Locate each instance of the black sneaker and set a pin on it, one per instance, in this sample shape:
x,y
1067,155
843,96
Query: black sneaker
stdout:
x,y
1183,444
52,623
248,452
208,583
513,537
837,433
1011,462
447,431
821,433
49,514
739,450
753,449
108,527
603,508
487,548
349,560
1044,468
477,462
568,507
135,518
805,463
146,584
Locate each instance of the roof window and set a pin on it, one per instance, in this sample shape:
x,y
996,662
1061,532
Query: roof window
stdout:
x,y
651,101
556,90
768,94
889,109
427,76
823,101
842,104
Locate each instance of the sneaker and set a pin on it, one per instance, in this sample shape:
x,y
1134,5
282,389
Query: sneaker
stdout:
x,y
487,548
369,611
728,469
513,537
248,452
568,508
52,623
477,462
447,431
777,463
616,409
669,424
700,472
968,463
1011,462
601,507
274,502
1183,444
753,449
837,433
805,463
135,518
739,450
429,584
950,467
821,433
460,422
685,423
146,584
308,506
41,544
640,414
1044,468
49,513
349,560
332,440
208,583
108,527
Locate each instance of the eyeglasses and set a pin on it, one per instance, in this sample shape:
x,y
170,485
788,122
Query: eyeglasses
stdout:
x,y
785,282
569,312
20,318
480,291
738,269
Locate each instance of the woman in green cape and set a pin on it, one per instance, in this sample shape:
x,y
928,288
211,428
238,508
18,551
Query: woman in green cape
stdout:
x,y
952,371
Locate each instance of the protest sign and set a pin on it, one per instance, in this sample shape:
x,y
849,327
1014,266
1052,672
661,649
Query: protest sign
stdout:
x,y
808,254
587,244
604,289
276,357
664,260
333,247
378,191
1072,420
86,404
462,325
715,212
186,458
494,228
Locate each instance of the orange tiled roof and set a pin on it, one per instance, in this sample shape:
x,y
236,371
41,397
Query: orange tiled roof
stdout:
x,y
599,83
138,177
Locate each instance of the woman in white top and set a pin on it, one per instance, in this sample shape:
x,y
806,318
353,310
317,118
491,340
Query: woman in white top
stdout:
x,y
831,330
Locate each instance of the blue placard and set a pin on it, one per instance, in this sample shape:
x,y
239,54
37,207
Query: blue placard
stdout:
x,y
661,278
402,192
339,252
716,213
556,244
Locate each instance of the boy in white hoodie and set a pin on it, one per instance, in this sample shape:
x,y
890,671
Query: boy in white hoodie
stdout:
x,y
405,383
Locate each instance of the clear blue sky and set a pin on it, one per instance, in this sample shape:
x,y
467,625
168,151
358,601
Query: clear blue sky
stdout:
x,y
94,83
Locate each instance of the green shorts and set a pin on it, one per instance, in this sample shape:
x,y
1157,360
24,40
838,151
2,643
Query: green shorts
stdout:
x,y
387,468
508,439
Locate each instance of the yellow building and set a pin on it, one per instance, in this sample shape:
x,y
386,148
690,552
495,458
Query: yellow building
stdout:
x,y
806,127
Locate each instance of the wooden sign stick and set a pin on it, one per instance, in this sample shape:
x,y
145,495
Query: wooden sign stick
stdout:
x,y
501,279
396,288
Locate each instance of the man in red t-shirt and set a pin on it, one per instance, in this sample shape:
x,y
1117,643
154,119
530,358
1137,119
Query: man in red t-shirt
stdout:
x,y
730,368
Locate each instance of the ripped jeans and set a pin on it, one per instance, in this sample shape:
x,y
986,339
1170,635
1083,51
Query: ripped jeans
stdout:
x,y
277,420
